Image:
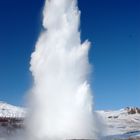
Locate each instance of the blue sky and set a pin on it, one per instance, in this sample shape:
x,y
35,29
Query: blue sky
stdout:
x,y
113,27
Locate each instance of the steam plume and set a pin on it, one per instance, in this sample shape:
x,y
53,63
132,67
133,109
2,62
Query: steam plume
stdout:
x,y
62,104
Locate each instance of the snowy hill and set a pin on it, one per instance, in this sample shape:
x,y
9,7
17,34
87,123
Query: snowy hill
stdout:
x,y
123,123
11,120
10,111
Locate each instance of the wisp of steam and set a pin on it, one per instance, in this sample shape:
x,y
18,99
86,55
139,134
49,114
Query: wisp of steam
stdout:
x,y
61,99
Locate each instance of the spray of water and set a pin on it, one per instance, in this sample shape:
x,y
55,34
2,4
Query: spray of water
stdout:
x,y
61,100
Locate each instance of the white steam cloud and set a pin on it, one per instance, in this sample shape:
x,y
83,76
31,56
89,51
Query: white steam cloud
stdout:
x,y
61,100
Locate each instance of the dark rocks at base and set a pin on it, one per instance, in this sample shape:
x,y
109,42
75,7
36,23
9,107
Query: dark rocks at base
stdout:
x,y
9,125
133,110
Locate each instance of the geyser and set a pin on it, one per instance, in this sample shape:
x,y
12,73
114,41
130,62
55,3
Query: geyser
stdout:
x,y
61,99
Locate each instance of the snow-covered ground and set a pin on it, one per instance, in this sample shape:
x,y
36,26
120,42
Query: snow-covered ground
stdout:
x,y
123,123
10,111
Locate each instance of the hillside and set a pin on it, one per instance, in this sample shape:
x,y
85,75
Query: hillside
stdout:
x,y
123,123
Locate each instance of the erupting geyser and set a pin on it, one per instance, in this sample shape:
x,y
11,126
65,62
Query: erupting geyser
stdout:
x,y
61,102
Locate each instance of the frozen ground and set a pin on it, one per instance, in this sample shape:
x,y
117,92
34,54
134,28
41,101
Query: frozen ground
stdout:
x,y
123,123
120,124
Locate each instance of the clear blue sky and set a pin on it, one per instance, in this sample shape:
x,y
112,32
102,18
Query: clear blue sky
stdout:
x,y
113,27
